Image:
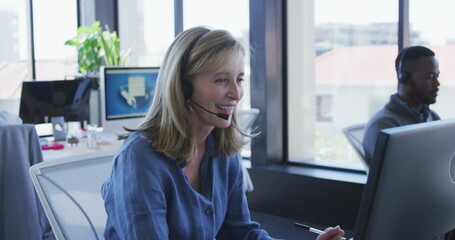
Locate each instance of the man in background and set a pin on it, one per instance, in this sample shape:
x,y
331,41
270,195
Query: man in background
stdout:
x,y
417,72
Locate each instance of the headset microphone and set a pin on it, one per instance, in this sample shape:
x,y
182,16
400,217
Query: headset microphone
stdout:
x,y
220,115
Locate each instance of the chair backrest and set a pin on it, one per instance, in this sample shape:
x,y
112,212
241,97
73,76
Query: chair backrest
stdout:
x,y
354,134
246,118
21,215
70,192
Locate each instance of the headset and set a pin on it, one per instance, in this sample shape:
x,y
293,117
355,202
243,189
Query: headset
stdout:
x,y
402,75
187,88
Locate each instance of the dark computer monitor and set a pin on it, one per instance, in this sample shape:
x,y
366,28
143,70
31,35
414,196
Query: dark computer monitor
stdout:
x,y
42,100
410,191
126,95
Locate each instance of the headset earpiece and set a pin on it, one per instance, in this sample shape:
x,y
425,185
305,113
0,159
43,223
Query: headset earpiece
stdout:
x,y
402,74
187,89
403,77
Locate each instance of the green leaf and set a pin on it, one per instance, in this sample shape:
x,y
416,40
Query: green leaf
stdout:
x,y
94,46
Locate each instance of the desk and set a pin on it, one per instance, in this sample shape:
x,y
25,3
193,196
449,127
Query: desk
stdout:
x,y
107,142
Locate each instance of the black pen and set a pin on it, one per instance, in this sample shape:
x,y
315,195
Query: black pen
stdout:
x,y
313,230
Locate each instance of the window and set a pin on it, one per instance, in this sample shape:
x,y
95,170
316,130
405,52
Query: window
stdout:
x,y
147,29
324,108
53,59
340,56
14,54
354,51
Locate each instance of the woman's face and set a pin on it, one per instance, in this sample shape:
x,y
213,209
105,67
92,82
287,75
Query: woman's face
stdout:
x,y
217,91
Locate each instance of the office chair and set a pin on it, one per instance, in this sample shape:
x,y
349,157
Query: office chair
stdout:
x,y
354,134
245,120
70,191
21,215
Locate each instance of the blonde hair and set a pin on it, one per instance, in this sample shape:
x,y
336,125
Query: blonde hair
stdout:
x,y
194,51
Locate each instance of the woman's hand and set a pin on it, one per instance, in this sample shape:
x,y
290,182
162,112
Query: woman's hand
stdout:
x,y
331,233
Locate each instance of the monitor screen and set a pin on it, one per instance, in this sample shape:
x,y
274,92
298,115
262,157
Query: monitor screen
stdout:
x,y
42,100
126,95
410,192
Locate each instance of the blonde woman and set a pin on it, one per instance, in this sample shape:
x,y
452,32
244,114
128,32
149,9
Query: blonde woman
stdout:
x,y
178,174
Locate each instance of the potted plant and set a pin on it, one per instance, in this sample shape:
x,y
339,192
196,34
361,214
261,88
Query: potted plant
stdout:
x,y
96,47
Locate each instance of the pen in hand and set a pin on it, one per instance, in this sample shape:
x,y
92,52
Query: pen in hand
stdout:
x,y
313,230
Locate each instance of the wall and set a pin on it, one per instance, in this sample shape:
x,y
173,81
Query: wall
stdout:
x,y
298,193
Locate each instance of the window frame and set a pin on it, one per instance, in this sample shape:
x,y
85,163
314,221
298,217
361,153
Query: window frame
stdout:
x,y
268,36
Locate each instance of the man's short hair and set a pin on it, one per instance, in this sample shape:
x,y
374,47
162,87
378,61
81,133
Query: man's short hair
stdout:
x,y
411,53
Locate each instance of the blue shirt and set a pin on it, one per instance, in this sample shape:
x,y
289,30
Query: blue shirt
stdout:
x,y
148,196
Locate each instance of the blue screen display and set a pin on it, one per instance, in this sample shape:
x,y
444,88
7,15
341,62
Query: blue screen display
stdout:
x,y
129,92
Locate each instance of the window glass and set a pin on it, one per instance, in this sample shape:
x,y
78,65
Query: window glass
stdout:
x,y
324,108
54,59
14,54
348,74
234,17
146,27
426,20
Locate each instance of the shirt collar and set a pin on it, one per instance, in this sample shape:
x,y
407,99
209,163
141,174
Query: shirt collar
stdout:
x,y
422,115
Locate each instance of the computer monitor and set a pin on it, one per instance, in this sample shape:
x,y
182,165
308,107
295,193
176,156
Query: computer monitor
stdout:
x,y
410,191
126,95
42,100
